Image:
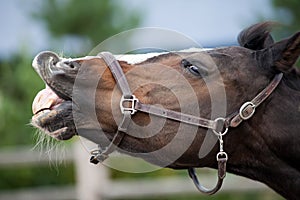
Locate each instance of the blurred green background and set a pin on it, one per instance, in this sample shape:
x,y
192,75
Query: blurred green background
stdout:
x,y
89,22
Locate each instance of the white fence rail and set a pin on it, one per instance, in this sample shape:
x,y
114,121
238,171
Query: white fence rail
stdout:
x,y
93,183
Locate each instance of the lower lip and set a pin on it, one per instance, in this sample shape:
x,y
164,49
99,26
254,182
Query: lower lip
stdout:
x,y
39,116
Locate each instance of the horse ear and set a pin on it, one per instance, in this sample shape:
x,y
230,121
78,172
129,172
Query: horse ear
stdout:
x,y
257,36
285,53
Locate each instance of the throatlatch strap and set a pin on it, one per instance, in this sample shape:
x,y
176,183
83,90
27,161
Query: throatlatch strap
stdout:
x,y
247,109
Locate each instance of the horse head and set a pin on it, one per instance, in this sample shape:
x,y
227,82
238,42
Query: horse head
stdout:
x,y
83,97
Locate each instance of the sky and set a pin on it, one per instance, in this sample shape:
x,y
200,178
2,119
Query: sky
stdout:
x,y
211,22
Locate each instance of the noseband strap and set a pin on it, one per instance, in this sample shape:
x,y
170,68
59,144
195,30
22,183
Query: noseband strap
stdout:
x,y
219,126
100,155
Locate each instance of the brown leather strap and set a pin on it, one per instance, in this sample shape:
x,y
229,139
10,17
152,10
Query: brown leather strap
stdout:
x,y
221,176
178,116
100,155
247,109
117,72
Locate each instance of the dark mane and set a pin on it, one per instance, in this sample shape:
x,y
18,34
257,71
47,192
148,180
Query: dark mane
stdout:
x,y
257,37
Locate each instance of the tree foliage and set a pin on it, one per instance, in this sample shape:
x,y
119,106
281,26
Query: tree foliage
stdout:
x,y
92,19
18,86
290,11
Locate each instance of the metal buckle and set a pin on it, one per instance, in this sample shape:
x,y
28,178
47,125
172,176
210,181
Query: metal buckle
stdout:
x,y
244,113
131,101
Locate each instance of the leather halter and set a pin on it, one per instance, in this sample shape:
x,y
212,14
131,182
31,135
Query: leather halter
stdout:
x,y
219,126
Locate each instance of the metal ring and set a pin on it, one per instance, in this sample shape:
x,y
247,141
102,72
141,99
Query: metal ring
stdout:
x,y
245,105
221,155
225,130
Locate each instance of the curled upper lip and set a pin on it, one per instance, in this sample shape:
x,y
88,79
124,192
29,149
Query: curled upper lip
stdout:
x,y
45,100
47,65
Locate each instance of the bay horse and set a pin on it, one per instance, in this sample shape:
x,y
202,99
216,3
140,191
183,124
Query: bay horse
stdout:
x,y
245,99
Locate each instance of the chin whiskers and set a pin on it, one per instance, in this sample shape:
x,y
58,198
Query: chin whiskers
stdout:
x,y
54,150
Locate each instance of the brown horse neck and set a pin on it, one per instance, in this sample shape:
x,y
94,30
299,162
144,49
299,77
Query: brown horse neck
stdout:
x,y
265,148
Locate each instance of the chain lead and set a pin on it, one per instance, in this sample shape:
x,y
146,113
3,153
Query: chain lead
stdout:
x,y
221,142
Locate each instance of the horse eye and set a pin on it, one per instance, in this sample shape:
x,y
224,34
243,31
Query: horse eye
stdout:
x,y
195,70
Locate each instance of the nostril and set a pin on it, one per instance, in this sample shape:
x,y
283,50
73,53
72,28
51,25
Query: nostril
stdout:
x,y
71,64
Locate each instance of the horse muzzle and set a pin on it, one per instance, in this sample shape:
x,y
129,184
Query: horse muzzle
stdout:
x,y
52,106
